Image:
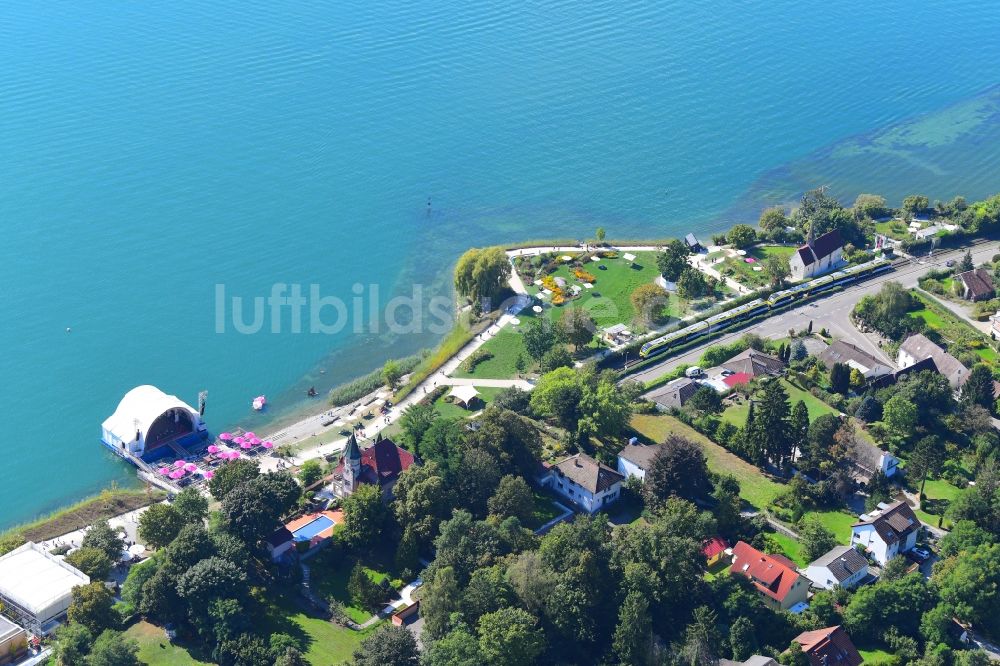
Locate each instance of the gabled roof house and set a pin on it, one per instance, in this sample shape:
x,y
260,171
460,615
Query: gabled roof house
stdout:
x,y
774,576
817,256
829,647
886,532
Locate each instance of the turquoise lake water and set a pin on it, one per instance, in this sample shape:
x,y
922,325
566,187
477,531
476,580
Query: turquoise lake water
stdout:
x,y
151,151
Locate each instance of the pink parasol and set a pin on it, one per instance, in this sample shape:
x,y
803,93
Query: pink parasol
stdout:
x,y
209,475
268,445
750,260
239,440
246,445
176,474
249,435
190,467
212,448
254,441
234,455
178,464
226,436
164,471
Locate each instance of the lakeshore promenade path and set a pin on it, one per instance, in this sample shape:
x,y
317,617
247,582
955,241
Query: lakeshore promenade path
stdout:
x,y
312,426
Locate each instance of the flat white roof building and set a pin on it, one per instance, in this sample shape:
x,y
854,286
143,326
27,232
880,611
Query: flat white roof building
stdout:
x,y
36,588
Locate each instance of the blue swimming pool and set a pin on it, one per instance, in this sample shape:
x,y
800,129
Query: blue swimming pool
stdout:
x,y
308,531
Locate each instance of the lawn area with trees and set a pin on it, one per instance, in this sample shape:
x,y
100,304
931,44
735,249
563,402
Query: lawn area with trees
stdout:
x,y
757,489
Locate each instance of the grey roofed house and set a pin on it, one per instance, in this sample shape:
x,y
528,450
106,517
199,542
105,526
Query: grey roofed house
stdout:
x,y
692,242
587,473
894,523
918,347
755,660
674,393
843,562
640,455
868,459
754,363
975,285
844,352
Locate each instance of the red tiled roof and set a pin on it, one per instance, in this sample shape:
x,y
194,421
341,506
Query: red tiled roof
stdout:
x,y
829,647
737,378
713,547
773,575
382,462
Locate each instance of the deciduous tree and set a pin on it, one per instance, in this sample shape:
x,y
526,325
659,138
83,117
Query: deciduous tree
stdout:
x,y
364,516
159,525
678,468
649,301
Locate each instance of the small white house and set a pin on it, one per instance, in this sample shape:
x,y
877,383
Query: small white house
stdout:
x,y
818,256
635,459
886,532
843,567
588,484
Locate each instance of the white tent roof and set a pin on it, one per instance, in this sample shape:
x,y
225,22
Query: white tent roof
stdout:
x,y
141,406
39,582
464,393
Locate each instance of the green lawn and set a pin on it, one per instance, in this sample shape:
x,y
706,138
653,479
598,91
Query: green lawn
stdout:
x,y
156,650
893,229
744,272
790,548
325,642
543,511
453,411
331,581
609,301
755,488
505,346
737,414
875,655
837,522
940,489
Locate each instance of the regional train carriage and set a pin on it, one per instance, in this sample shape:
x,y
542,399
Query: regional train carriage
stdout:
x,y
776,300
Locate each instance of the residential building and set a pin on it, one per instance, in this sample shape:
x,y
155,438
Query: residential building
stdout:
x,y
818,256
588,484
886,532
774,576
674,394
867,460
754,363
279,543
36,588
714,550
13,641
693,243
754,660
995,326
918,347
843,567
379,464
975,285
844,352
635,459
829,647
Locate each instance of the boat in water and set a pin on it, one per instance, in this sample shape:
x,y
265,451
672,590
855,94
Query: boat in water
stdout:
x,y
259,402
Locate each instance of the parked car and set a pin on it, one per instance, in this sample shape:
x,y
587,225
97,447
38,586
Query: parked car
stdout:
x,y
949,263
693,371
920,554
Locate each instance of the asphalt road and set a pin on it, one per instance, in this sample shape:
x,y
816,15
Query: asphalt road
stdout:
x,y
831,312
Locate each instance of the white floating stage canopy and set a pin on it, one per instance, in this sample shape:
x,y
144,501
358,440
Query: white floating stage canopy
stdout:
x,y
147,418
464,394
37,586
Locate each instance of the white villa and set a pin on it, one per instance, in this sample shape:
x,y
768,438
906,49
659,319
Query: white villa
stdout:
x,y
588,484
886,532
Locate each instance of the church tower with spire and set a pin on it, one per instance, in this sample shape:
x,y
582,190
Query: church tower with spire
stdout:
x,y
352,464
